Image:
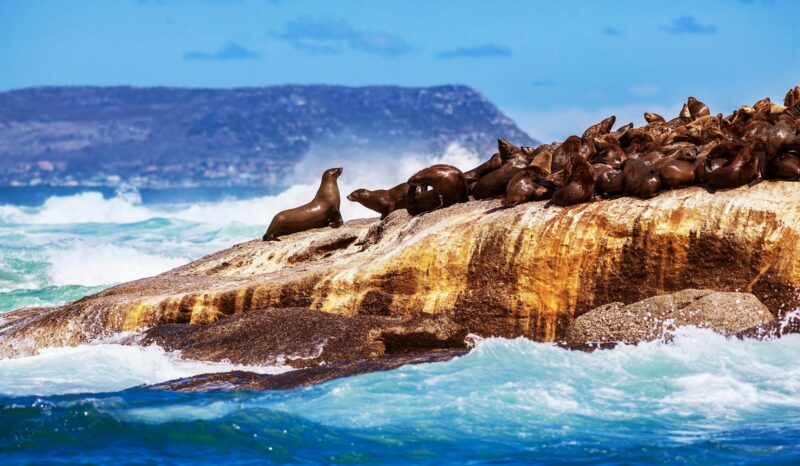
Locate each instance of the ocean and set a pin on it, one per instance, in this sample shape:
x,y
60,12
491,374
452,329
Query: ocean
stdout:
x,y
702,399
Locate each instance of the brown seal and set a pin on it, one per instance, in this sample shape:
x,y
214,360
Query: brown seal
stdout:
x,y
653,118
785,166
741,166
792,97
578,183
608,151
697,109
444,180
522,187
383,201
494,183
640,179
564,153
322,211
607,180
421,200
483,169
508,150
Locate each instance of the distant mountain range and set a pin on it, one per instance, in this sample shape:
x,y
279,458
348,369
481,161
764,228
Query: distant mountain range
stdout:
x,y
159,137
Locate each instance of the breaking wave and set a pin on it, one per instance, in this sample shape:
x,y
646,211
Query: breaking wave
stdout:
x,y
102,368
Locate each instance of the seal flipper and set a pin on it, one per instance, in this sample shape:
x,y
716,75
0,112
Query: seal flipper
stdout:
x,y
336,220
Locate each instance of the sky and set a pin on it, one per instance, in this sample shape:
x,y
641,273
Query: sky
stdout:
x,y
554,66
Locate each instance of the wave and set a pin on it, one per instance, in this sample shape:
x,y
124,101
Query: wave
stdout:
x,y
102,368
92,264
372,172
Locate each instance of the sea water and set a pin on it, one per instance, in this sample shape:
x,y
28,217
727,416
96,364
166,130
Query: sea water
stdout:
x,y
702,399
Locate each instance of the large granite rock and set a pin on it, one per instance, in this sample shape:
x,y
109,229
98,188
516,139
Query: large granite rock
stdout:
x,y
523,271
657,318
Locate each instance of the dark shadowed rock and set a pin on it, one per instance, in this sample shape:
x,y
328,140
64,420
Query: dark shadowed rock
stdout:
x,y
302,337
657,317
240,380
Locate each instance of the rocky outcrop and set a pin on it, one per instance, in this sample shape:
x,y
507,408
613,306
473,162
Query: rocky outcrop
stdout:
x,y
657,318
240,380
301,337
506,272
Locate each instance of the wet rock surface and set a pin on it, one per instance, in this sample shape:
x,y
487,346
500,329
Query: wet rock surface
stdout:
x,y
241,380
301,337
656,318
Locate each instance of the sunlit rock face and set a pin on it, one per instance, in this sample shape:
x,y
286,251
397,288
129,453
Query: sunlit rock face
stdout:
x,y
507,272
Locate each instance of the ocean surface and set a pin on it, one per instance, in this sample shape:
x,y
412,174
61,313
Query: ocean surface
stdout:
x,y
702,399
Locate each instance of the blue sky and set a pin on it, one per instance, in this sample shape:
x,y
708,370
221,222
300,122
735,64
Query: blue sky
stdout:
x,y
552,65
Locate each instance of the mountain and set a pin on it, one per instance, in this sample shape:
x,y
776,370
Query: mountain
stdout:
x,y
209,137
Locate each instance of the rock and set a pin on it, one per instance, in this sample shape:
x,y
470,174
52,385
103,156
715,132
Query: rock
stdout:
x,y
656,318
524,271
302,337
240,380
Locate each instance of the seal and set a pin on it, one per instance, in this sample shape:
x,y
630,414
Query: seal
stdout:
x,y
485,168
564,153
640,179
508,150
608,151
543,159
785,166
494,184
446,181
322,211
792,97
421,200
383,201
697,109
522,187
607,180
741,166
578,183
653,118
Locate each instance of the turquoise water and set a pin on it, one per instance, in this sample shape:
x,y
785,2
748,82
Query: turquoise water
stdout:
x,y
703,399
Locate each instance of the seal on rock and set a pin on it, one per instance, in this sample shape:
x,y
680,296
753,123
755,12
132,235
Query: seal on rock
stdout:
x,y
483,169
383,201
741,166
640,179
494,183
578,183
523,187
322,211
445,181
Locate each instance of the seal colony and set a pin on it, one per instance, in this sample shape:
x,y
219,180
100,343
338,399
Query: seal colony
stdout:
x,y
750,145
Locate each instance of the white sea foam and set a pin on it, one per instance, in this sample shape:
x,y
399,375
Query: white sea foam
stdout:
x,y
372,172
700,375
101,368
90,264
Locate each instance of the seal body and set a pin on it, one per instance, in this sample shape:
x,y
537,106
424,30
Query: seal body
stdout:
x,y
322,211
607,180
741,166
483,169
446,182
494,184
383,201
421,200
523,187
640,179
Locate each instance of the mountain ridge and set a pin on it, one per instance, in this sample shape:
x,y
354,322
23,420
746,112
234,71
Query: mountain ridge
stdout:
x,y
171,136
